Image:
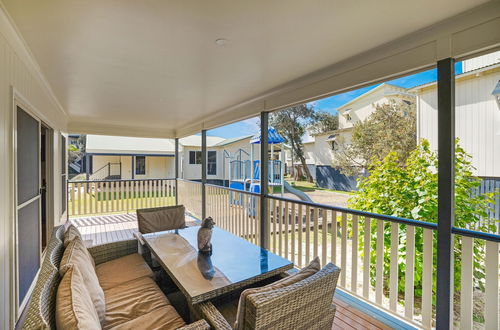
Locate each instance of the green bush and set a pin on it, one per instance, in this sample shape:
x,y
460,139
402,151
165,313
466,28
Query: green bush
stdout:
x,y
410,191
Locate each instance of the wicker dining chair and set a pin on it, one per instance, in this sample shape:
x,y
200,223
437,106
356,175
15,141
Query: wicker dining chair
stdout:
x,y
307,304
154,220
161,218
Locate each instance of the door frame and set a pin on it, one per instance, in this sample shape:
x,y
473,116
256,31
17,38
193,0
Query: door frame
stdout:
x,y
18,100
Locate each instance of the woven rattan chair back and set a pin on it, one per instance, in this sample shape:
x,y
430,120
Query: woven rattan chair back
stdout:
x,y
307,304
41,308
161,218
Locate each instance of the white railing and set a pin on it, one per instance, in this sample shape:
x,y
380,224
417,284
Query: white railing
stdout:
x,y
190,196
387,261
379,255
114,196
235,211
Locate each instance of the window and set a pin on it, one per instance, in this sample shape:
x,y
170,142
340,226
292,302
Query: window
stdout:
x,y
140,165
194,157
212,163
64,166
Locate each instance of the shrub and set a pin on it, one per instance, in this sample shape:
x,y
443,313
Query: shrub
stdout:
x,y
409,191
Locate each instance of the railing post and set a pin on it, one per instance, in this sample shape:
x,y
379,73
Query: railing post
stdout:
x,y
446,182
264,157
203,173
176,171
87,166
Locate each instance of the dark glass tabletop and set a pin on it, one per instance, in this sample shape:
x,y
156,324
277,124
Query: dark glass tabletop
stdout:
x,y
234,262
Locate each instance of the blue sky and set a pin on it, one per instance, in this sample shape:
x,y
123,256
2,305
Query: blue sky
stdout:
x,y
331,103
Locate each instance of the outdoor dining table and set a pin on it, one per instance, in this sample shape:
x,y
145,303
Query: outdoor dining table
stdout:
x,y
233,264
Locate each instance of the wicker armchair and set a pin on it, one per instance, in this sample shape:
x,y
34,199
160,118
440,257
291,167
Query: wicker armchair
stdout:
x,y
303,305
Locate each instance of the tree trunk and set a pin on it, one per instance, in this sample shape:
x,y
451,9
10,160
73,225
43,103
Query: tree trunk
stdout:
x,y
307,173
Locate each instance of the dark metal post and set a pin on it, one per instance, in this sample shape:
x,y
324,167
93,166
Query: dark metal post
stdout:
x,y
176,170
446,183
87,166
264,184
203,173
133,168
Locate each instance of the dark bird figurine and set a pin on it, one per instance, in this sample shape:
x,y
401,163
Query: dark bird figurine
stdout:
x,y
205,235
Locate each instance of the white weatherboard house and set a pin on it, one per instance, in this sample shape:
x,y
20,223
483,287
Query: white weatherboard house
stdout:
x,y
320,152
118,157
122,157
477,118
477,114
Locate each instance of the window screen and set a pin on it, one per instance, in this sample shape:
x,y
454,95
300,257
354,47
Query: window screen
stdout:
x,y
28,157
194,157
140,165
212,163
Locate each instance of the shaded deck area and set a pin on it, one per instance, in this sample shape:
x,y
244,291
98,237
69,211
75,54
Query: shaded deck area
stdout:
x,y
351,313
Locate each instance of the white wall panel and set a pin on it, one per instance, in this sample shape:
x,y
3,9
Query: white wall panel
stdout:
x,y
16,72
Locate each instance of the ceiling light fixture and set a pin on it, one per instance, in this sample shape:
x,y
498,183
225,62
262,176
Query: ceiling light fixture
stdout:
x,y
220,42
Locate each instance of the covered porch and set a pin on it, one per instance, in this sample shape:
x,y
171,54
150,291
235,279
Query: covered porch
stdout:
x,y
173,69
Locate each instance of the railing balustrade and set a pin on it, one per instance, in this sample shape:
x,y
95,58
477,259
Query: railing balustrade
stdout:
x,y
235,211
114,196
387,261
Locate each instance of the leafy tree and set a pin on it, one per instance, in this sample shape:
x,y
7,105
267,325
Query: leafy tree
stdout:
x,y
390,128
293,122
409,191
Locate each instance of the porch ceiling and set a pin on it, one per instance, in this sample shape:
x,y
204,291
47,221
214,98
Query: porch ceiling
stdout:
x,y
154,65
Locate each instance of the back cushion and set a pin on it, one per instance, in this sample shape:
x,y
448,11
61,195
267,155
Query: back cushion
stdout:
x,y
161,218
74,306
76,255
71,233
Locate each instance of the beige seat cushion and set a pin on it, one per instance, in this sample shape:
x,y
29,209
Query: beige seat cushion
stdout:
x,y
311,269
132,300
70,234
76,255
164,318
74,306
122,270
161,218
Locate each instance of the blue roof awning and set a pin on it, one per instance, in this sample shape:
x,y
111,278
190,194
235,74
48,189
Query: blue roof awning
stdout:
x,y
272,136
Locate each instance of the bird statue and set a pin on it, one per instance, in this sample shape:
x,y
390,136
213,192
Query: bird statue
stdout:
x,y
205,235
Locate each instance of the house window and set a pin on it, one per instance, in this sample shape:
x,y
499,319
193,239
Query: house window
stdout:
x,y
194,157
348,117
212,163
140,165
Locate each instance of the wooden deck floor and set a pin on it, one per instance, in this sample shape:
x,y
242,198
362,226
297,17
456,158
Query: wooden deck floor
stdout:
x,y
109,228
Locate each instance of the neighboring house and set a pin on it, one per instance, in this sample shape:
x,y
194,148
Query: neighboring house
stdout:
x,y
326,144
118,157
477,112
113,157
477,117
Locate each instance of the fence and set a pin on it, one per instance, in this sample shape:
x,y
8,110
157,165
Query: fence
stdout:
x,y
110,196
